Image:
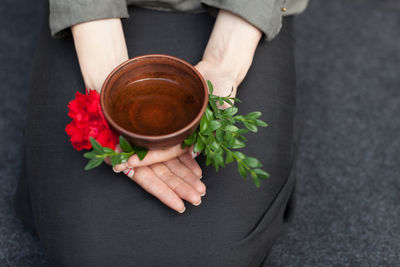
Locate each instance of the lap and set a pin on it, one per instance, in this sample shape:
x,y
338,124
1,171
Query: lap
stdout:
x,y
98,217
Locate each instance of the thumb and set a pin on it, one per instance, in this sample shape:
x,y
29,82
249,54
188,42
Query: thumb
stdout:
x,y
155,156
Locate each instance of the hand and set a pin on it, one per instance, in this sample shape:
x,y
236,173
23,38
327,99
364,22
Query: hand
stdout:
x,y
171,181
222,78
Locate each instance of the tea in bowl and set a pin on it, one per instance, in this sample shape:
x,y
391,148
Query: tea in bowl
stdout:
x,y
154,101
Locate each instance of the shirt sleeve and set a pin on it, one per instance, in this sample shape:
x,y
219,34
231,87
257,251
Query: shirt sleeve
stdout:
x,y
65,13
266,15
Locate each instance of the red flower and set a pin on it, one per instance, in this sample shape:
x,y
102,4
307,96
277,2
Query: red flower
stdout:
x,y
88,121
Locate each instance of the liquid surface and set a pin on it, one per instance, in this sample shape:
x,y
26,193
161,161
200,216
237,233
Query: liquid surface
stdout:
x,y
154,107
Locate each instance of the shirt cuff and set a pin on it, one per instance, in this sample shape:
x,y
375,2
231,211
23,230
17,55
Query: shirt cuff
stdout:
x,y
266,15
65,13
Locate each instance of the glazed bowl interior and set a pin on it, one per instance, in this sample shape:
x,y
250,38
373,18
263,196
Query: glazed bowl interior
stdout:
x,y
154,101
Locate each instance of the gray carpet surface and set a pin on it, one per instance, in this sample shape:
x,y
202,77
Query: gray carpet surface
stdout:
x,y
348,170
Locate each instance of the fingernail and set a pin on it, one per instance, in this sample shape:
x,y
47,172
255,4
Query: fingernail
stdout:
x,y
196,204
203,194
115,170
194,154
201,176
129,172
182,211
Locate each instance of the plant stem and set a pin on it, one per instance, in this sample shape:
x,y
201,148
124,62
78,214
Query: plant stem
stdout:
x,y
236,157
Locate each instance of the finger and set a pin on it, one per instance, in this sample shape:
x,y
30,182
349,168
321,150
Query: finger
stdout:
x,y
150,182
155,156
118,149
191,163
178,185
180,169
120,167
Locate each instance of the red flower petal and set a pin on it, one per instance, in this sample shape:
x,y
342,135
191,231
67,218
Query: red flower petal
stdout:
x,y
88,121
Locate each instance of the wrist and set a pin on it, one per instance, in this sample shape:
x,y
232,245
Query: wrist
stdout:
x,y
234,66
100,47
232,44
96,71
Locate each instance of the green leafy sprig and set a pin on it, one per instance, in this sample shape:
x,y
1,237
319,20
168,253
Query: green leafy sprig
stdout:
x,y
218,134
99,153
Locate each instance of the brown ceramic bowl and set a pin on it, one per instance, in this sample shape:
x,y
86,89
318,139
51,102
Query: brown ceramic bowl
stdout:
x,y
154,101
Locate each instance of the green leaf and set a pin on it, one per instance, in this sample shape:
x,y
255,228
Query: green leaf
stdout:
x,y
108,150
199,146
227,100
261,173
219,158
187,142
216,166
238,117
219,134
215,146
238,154
256,181
120,158
93,163
242,170
96,146
90,155
115,160
242,131
238,144
261,123
249,126
229,158
214,108
253,115
203,124
236,99
210,87
241,137
209,114
231,128
252,162
209,160
230,111
142,152
124,144
214,125
230,139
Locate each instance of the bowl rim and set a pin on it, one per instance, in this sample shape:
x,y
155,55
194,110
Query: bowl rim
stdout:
x,y
153,137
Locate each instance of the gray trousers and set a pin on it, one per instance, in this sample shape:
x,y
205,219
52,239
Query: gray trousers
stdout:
x,y
100,218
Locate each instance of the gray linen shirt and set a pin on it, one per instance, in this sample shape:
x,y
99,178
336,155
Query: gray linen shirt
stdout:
x,y
264,14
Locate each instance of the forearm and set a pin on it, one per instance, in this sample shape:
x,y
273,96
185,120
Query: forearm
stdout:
x,y
100,46
232,44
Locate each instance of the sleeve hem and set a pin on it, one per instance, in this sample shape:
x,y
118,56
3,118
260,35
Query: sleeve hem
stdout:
x,y
61,19
268,21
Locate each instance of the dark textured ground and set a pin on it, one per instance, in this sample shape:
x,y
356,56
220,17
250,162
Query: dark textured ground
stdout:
x,y
348,57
